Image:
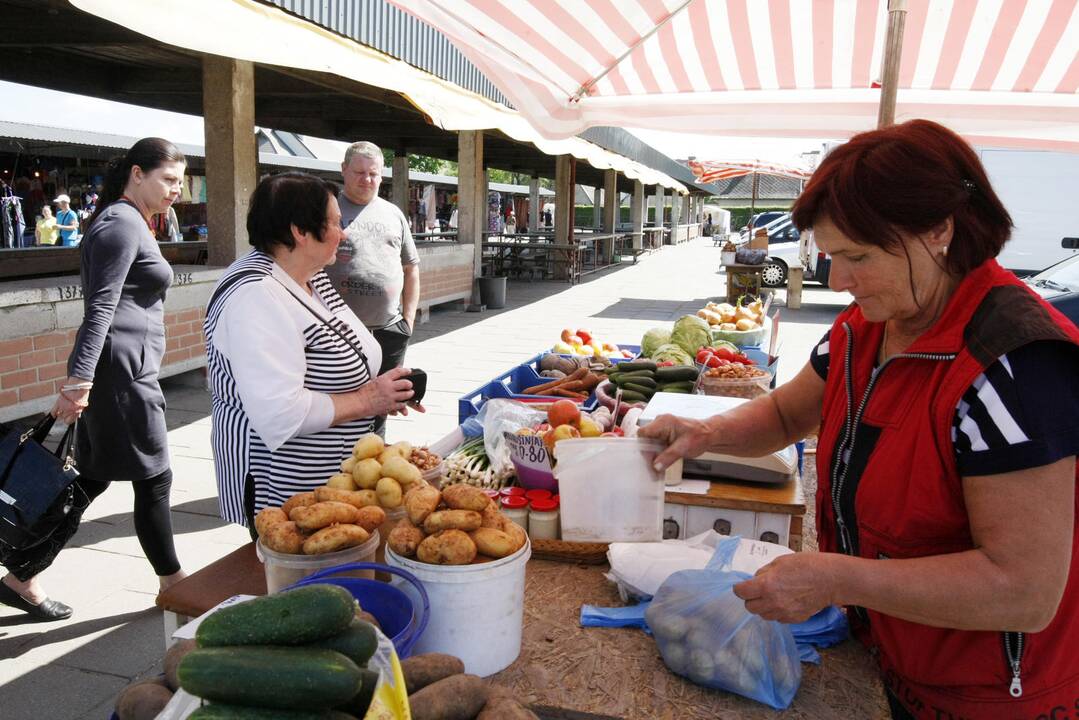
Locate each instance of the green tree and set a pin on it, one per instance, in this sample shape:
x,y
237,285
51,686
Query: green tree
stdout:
x,y
425,163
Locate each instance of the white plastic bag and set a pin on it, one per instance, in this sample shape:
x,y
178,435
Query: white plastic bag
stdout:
x,y
499,416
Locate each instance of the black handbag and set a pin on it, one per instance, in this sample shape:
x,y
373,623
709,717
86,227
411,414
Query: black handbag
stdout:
x,y
37,490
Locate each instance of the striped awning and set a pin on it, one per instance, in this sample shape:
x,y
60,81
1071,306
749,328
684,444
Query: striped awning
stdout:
x,y
710,171
1000,72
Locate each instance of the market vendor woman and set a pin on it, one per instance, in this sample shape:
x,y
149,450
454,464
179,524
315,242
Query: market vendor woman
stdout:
x,y
947,397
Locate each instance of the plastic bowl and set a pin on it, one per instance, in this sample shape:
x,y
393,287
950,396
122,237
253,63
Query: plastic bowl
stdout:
x,y
283,569
748,388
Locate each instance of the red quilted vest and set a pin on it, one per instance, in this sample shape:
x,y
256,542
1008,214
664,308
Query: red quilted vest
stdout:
x,y
900,496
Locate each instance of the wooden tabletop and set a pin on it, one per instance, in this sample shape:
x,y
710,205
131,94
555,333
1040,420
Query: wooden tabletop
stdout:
x,y
238,573
787,498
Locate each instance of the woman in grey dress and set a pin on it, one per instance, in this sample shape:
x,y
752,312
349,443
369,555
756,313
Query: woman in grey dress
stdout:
x,y
113,369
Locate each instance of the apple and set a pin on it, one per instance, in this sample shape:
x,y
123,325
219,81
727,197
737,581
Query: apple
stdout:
x,y
589,428
564,412
526,431
548,441
563,432
566,334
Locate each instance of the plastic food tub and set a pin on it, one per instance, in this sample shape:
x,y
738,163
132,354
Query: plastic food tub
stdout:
x,y
748,388
283,569
609,491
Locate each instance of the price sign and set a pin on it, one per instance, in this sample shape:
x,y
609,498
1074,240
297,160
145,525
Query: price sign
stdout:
x,y
530,459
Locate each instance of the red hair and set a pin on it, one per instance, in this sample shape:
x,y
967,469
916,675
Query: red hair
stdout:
x,y
908,179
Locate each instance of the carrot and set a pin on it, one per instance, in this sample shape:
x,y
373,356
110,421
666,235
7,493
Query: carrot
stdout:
x,y
569,394
538,389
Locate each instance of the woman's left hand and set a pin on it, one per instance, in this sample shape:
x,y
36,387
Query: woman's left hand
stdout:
x,y
791,588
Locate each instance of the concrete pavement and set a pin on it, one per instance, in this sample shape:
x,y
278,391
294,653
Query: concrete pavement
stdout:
x,y
73,669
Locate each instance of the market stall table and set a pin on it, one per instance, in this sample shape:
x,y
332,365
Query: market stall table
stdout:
x,y
743,280
565,670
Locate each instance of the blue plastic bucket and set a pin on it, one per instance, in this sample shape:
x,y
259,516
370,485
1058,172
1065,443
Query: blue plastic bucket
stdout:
x,y
396,613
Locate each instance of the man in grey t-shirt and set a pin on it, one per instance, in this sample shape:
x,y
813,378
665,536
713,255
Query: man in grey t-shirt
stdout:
x,y
377,270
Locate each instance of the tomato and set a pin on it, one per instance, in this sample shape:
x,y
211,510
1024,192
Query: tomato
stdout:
x,y
618,431
744,359
665,363
712,362
724,353
585,336
721,362
703,354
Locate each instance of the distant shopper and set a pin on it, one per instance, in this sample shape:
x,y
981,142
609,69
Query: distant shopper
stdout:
x,y
113,371
377,270
67,221
46,231
292,369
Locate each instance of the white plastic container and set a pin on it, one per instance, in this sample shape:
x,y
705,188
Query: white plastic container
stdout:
x,y
609,491
283,569
477,611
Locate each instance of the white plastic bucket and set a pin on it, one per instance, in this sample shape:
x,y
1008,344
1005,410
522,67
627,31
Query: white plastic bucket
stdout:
x,y
609,491
284,569
477,611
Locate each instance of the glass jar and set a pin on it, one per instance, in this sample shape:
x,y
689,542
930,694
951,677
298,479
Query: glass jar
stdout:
x,y
543,519
538,495
515,507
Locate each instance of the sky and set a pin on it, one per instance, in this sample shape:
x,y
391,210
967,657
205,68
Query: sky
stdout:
x,y
23,103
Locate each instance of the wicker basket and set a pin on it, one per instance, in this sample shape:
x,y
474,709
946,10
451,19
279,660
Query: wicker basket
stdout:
x,y
584,553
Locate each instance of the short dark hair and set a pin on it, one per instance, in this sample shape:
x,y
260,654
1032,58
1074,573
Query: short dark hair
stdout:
x,y
281,201
908,178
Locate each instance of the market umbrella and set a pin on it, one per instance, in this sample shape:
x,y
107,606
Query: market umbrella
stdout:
x,y
710,171
1000,72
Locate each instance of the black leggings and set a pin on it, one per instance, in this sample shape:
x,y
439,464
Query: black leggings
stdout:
x,y
153,526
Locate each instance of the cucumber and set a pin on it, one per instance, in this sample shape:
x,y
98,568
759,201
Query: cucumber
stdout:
x,y
357,642
273,677
682,390
676,387
637,365
641,389
646,380
676,374
359,704
219,711
294,617
632,396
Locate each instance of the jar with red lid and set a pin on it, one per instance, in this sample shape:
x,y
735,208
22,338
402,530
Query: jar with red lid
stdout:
x,y
495,495
515,507
512,490
538,495
543,519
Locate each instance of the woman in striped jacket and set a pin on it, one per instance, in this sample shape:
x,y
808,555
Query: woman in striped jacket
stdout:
x,y
289,363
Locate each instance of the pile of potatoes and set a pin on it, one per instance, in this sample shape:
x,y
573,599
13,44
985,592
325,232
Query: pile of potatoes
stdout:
x,y
384,472
145,699
454,526
321,521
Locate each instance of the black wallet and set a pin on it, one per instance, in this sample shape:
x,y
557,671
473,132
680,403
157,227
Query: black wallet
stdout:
x,y
418,378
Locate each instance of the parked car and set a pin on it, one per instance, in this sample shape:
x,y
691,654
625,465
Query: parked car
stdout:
x,y
1059,283
783,247
760,220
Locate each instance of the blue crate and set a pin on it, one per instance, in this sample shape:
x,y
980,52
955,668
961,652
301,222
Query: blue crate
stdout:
x,y
511,383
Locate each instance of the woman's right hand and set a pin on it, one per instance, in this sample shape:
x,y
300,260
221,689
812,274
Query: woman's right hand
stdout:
x,y
684,438
389,392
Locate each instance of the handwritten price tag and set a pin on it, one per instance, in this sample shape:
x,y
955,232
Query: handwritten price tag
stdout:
x,y
528,451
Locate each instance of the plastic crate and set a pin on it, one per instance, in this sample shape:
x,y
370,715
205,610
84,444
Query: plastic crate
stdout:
x,y
511,383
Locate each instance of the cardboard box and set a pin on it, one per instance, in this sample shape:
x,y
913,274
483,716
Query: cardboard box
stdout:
x,y
759,241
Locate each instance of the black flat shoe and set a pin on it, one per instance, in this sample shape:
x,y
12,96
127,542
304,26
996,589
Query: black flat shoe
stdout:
x,y
47,610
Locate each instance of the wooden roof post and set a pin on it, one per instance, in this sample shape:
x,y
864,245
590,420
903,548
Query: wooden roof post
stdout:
x,y
893,56
471,194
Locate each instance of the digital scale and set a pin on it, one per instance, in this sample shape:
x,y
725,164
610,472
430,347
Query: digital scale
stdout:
x,y
774,468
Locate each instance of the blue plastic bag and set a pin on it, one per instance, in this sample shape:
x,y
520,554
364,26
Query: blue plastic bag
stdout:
x,y
705,634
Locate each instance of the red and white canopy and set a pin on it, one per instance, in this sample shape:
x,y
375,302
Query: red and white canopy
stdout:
x,y
709,171
1001,72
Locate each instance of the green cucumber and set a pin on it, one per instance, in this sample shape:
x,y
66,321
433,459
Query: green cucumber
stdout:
x,y
357,642
676,387
639,389
359,705
676,374
268,676
682,390
293,617
637,365
219,711
632,396
646,380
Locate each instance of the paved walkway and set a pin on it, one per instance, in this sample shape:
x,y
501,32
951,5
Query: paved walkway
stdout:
x,y
73,669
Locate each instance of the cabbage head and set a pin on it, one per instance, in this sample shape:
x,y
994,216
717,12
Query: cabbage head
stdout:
x,y
653,339
674,353
691,333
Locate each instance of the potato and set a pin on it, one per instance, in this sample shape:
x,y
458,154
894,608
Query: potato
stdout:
x,y
367,618
323,514
465,497
492,517
341,481
400,449
368,446
405,538
268,516
173,656
448,547
505,708
284,538
515,531
370,517
458,697
745,324
493,543
465,520
142,701
348,463
366,473
389,493
401,470
423,670
299,500
420,502
334,538
355,498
